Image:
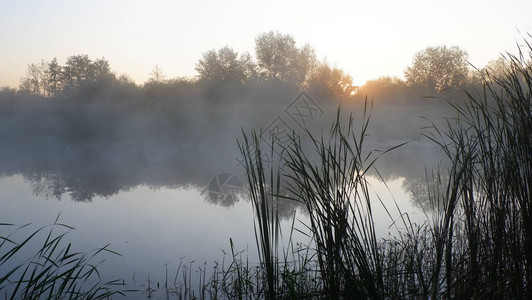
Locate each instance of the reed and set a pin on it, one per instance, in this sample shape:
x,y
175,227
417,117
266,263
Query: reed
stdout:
x,y
477,241
264,188
336,196
54,271
483,236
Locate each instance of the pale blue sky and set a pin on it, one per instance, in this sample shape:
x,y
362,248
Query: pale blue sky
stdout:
x,y
368,39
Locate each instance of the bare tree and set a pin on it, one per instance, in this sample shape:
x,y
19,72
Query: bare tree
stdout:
x,y
36,80
157,75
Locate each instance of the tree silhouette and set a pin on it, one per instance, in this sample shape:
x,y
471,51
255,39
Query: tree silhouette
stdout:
x,y
49,79
36,80
226,64
77,69
496,68
332,81
102,70
385,86
157,75
54,79
279,58
438,68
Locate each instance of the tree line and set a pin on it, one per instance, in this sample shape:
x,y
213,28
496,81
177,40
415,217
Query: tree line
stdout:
x,y
49,79
277,58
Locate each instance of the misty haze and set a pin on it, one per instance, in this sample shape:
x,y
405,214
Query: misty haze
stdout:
x,y
271,172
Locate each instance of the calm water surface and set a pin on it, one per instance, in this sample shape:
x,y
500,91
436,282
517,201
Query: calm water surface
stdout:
x,y
156,216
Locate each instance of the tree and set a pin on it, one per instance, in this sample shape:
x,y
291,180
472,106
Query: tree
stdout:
x,y
279,58
36,80
383,85
333,81
496,68
226,64
248,66
157,75
83,76
102,70
54,78
438,68
77,71
124,79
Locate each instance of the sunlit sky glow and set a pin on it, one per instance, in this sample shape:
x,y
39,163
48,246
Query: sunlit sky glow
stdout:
x,y
368,39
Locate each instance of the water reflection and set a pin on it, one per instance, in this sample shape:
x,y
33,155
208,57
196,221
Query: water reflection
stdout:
x,y
224,189
163,201
85,171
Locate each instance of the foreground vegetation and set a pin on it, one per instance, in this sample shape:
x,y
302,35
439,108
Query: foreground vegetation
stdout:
x,y
52,270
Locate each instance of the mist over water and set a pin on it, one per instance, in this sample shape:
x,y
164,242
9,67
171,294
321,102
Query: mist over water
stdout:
x,y
141,176
100,148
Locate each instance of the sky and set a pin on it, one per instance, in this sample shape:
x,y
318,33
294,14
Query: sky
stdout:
x,y
367,39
